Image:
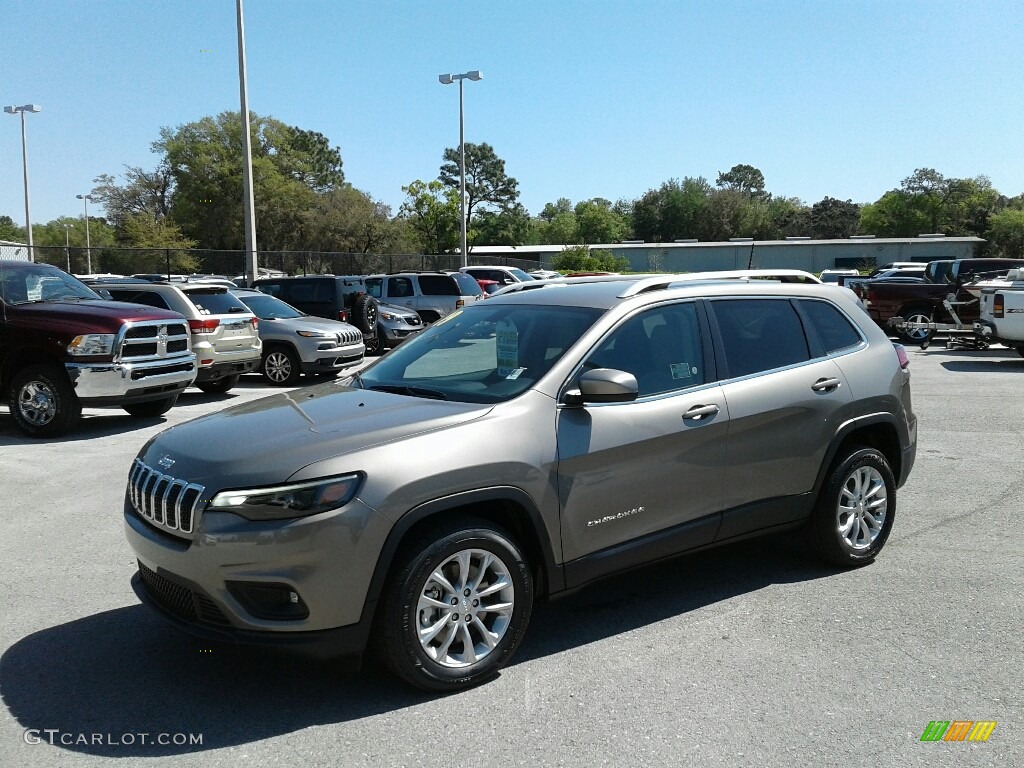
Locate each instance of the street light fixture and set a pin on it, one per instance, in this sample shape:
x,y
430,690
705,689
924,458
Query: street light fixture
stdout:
x,y
473,74
24,160
86,199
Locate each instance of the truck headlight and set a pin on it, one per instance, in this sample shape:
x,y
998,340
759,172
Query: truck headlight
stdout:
x,y
92,344
288,501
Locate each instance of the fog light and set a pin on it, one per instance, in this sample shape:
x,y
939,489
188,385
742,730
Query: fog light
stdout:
x,y
277,602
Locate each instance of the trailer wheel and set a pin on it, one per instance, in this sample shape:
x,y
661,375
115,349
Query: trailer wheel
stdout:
x,y
916,315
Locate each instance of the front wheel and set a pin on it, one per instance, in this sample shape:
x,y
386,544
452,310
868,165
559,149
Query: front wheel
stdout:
x,y
374,345
153,407
43,401
220,386
854,513
457,610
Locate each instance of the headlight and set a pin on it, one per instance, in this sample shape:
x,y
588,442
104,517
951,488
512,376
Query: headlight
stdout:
x,y
287,501
388,316
314,334
92,344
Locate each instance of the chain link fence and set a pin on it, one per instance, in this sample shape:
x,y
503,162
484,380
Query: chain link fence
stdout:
x,y
231,264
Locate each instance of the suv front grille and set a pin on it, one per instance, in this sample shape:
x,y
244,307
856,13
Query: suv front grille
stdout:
x,y
153,340
350,337
181,601
162,500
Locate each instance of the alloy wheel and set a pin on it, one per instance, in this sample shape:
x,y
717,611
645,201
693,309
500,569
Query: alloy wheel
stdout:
x,y
863,505
278,367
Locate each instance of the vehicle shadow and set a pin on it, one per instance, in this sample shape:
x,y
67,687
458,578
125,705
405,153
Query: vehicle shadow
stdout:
x,y
987,365
100,423
124,672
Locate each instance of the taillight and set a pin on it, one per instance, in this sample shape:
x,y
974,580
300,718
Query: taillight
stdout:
x,y
343,315
997,305
203,326
901,353
256,324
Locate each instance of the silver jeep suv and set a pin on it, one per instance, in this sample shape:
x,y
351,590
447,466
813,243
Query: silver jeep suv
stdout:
x,y
525,446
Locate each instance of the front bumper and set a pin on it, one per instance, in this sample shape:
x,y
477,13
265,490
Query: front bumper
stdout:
x,y
325,357
125,383
396,334
327,559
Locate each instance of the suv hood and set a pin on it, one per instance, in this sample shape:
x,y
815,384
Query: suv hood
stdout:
x,y
308,323
266,441
87,316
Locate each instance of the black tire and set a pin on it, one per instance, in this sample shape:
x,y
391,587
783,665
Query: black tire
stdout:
x,y
401,614
281,366
916,315
152,408
374,345
855,510
43,401
220,386
1020,349
365,313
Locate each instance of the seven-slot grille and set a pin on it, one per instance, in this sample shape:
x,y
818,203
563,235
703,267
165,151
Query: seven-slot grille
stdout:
x,y
163,500
350,337
157,339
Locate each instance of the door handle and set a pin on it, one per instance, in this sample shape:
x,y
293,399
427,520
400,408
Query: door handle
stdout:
x,y
700,411
825,385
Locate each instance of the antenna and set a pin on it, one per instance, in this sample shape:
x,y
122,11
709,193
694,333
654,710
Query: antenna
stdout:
x,y
750,259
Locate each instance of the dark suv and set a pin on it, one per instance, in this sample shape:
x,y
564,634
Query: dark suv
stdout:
x,y
524,446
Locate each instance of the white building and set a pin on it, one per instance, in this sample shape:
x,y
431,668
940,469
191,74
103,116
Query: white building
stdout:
x,y
9,250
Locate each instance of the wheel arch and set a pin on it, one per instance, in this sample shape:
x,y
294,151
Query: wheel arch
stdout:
x,y
506,506
878,431
23,357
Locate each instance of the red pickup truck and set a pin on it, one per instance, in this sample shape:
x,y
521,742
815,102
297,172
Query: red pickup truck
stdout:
x,y
62,347
923,302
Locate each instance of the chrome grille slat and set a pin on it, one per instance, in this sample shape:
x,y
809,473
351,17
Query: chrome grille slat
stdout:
x,y
167,502
153,340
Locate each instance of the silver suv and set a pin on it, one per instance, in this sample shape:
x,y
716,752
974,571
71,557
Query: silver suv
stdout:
x,y
527,445
225,335
433,295
295,343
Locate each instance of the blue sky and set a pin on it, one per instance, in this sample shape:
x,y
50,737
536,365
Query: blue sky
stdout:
x,y
581,99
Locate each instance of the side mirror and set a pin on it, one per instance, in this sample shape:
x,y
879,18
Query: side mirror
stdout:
x,y
603,385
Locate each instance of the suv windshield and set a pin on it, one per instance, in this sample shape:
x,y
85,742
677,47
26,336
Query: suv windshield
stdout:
x,y
22,284
482,354
269,308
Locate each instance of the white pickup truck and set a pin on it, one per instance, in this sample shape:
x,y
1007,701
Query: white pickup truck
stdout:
x,y
1002,310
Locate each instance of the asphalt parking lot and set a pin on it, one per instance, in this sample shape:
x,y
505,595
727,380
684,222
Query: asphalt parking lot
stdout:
x,y
745,656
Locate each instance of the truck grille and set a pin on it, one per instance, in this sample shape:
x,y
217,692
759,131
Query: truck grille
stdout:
x,y
153,340
181,601
165,501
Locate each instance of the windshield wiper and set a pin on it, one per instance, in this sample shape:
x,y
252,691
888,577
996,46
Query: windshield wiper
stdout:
x,y
433,394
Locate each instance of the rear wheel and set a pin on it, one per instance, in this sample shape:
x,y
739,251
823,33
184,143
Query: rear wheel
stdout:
x,y
152,407
220,386
281,367
855,511
43,402
457,610
916,315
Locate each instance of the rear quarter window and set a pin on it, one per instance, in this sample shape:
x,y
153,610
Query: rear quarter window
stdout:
x,y
832,328
442,285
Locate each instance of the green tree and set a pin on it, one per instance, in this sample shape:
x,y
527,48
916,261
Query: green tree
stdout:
x,y
1006,230
349,221
598,222
742,178
788,217
143,192
833,219
671,212
506,227
579,258
431,211
488,186
10,231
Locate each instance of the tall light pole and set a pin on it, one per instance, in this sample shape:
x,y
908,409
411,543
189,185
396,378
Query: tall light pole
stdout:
x,y
67,245
473,74
251,265
88,248
24,160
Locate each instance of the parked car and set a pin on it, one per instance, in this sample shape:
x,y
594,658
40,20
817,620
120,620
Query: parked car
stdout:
x,y
543,274
833,275
530,444
490,286
922,303
63,347
295,343
503,275
432,295
225,333
345,298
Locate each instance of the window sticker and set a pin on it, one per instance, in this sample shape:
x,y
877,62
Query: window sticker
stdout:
x,y
516,373
507,342
683,371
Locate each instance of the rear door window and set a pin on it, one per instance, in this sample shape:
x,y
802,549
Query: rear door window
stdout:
x,y
400,288
759,335
373,286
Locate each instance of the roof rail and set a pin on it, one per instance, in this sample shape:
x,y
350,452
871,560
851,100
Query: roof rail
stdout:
x,y
663,282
